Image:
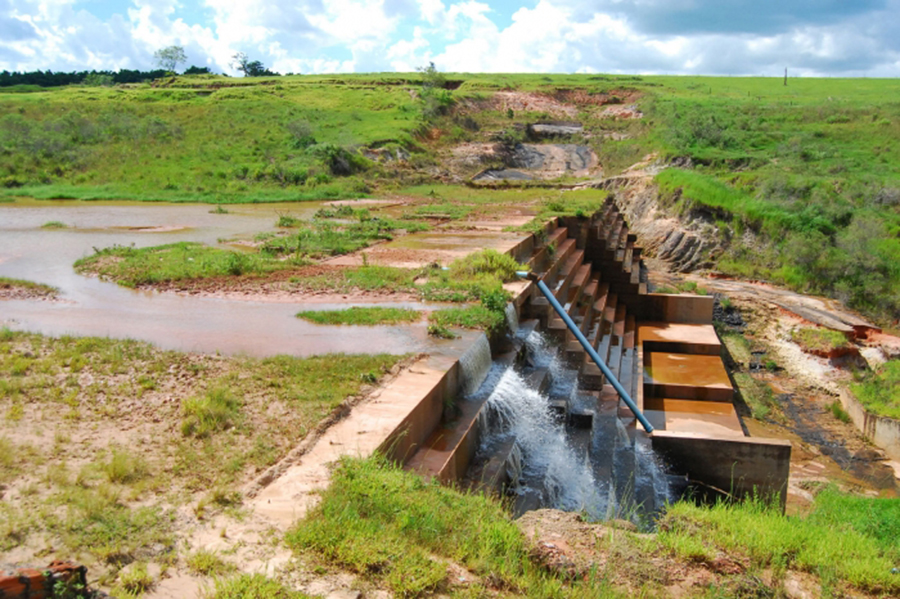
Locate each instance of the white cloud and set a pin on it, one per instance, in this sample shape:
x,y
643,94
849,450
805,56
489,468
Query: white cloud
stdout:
x,y
462,35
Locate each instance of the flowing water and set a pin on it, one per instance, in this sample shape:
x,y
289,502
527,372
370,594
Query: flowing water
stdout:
x,y
552,465
93,307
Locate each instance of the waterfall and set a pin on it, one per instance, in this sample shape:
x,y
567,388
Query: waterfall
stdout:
x,y
474,365
512,318
514,409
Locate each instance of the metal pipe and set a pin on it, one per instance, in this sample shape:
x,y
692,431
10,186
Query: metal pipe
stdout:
x,y
590,350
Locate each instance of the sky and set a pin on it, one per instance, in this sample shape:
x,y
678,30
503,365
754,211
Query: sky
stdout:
x,y
856,38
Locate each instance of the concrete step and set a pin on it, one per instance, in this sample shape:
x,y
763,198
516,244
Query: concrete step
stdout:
x,y
679,338
542,257
492,476
686,376
716,419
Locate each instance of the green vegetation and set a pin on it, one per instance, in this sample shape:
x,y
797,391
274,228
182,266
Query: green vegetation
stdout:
x,y
216,410
117,501
54,224
207,139
133,267
208,563
757,395
837,410
810,168
819,340
359,315
395,529
879,391
386,524
687,287
868,530
252,586
468,317
29,287
322,238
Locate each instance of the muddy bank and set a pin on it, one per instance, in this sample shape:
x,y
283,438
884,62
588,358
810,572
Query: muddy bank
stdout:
x,y
18,291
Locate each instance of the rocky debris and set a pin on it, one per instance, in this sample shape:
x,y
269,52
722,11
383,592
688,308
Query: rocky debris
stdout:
x,y
730,316
384,155
620,111
56,580
493,174
553,129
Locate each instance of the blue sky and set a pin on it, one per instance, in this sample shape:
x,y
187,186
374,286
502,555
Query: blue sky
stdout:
x,y
715,37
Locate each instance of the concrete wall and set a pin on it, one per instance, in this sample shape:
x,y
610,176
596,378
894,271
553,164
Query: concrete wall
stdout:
x,y
881,430
686,309
415,429
763,464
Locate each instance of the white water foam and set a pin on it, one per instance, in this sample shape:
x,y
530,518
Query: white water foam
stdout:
x,y
522,412
512,318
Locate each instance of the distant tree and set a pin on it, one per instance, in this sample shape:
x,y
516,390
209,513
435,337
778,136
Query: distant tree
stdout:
x,y
169,58
250,68
98,79
436,99
194,70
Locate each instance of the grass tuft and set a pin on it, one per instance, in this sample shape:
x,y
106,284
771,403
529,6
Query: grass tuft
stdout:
x,y
217,410
252,586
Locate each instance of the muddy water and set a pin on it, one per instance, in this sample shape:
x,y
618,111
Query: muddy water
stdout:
x,y
93,307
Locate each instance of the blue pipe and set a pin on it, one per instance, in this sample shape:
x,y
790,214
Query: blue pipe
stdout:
x,y
591,351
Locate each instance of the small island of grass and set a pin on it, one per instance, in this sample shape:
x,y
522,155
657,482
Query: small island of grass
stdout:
x,y
361,315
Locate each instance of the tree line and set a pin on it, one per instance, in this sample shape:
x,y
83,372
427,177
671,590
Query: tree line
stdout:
x,y
49,78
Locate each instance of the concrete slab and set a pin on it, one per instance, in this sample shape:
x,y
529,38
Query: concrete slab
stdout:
x,y
686,376
679,338
716,419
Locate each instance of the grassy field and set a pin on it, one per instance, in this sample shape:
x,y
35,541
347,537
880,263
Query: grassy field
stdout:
x,y
811,168
103,441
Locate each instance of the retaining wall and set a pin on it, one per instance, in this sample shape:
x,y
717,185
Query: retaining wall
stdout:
x,y
881,430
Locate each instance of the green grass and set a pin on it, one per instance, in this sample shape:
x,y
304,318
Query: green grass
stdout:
x,y
217,410
879,391
358,315
323,238
867,529
208,563
758,395
252,586
54,224
31,286
241,416
386,524
467,317
819,340
131,267
395,529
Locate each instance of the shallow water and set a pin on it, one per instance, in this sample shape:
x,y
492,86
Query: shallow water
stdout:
x,y
93,307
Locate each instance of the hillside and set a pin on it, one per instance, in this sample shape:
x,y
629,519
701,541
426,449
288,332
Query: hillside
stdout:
x,y
801,181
